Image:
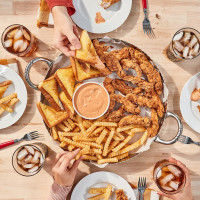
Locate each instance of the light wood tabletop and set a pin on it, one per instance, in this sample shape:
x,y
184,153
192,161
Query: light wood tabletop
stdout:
x,y
166,18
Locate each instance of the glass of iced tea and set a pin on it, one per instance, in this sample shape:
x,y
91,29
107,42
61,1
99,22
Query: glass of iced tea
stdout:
x,y
185,45
18,40
169,177
28,159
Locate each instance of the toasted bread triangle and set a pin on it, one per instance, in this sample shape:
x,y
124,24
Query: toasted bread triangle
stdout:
x,y
4,86
50,115
87,53
49,89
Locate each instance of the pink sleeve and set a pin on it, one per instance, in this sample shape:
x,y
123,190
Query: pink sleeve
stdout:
x,y
59,192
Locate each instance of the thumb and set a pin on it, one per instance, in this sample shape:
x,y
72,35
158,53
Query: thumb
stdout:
x,y
73,39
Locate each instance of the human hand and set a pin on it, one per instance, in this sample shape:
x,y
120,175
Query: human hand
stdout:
x,y
66,37
186,193
63,172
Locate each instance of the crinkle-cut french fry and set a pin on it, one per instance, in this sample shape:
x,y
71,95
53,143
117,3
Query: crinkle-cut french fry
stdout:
x,y
71,123
108,192
97,190
83,151
102,136
107,160
113,145
99,156
71,147
100,119
8,98
93,144
7,108
80,122
124,159
67,124
63,144
122,156
89,130
109,138
95,151
125,128
54,133
122,144
97,197
77,129
97,130
119,135
83,138
88,157
63,127
69,134
136,130
76,144
115,137
131,147
105,124
87,123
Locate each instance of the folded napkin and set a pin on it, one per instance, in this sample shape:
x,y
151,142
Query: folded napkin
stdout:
x,y
11,63
149,194
45,17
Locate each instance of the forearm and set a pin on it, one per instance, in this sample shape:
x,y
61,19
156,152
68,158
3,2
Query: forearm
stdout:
x,y
58,192
66,3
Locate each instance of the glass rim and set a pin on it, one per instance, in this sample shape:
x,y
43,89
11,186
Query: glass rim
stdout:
x,y
41,166
182,185
173,45
2,42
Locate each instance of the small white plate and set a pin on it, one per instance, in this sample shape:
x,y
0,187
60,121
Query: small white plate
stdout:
x,y
115,15
98,180
17,86
189,108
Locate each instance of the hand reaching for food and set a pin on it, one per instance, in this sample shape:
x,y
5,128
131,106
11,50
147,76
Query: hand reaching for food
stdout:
x,y
186,193
66,37
63,172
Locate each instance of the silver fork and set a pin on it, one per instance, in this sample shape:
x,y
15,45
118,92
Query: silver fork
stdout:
x,y
29,136
146,23
141,186
187,140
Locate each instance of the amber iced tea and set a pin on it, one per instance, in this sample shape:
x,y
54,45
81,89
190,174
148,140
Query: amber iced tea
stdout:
x,y
169,177
18,40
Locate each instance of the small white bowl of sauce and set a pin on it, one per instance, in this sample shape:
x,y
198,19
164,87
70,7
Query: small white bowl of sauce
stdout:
x,y
91,100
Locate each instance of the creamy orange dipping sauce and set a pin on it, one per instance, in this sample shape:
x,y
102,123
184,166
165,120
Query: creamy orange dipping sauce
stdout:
x,y
91,100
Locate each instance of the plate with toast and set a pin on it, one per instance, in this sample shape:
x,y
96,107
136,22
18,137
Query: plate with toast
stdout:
x,y
138,101
101,16
13,97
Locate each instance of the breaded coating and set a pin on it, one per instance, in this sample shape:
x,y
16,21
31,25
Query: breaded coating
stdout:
x,y
122,87
135,120
128,106
108,85
115,116
151,101
153,129
132,64
121,53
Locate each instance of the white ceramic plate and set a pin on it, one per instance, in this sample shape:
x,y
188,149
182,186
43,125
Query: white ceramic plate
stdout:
x,y
101,179
115,15
189,108
8,119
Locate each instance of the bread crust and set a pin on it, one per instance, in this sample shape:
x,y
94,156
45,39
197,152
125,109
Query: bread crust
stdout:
x,y
2,84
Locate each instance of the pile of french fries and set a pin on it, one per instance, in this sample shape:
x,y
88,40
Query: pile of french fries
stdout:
x,y
7,103
99,141
100,193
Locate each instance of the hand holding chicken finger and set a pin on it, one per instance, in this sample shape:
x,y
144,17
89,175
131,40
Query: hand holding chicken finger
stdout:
x,y
63,172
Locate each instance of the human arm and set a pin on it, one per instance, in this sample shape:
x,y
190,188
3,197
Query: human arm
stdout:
x,y
64,174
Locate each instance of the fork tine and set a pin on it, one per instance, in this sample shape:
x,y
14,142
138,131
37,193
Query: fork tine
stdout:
x,y
139,183
34,137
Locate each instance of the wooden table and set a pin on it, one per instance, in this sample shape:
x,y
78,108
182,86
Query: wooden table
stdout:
x,y
166,18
